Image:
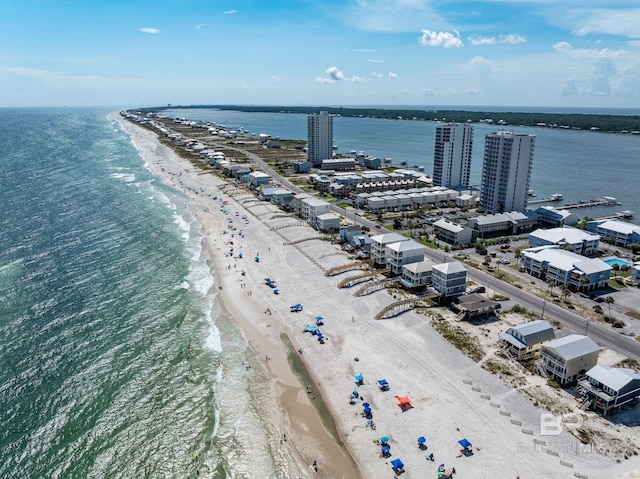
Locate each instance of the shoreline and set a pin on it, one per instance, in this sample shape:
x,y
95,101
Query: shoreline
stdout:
x,y
299,419
406,351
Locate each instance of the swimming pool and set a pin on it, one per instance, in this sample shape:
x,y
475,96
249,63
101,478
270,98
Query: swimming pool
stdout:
x,y
613,260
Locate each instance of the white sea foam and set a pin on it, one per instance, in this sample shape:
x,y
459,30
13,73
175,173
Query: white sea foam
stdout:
x,y
213,341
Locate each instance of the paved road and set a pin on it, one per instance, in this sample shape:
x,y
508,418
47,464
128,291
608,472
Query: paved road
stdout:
x,y
605,336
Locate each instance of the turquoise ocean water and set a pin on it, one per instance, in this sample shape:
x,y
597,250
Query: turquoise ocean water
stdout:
x,y
115,361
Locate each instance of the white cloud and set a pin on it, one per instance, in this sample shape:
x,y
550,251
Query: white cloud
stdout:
x,y
428,92
441,39
393,75
149,30
378,75
246,87
512,39
371,60
199,25
622,22
335,74
587,53
480,40
363,50
276,78
230,12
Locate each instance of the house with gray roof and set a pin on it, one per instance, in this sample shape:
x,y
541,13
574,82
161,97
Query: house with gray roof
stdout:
x,y
452,233
379,244
403,252
607,389
566,359
417,275
449,279
473,305
564,267
523,342
574,239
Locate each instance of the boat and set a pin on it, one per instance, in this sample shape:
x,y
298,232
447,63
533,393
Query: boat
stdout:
x,y
556,197
531,193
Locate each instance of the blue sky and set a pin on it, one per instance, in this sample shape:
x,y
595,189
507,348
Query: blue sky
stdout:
x,y
567,53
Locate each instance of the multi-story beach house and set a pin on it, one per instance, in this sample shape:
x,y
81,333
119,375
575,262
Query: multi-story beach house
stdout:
x,y
379,247
449,279
617,232
573,239
402,253
607,389
506,171
499,224
523,342
319,137
452,155
565,268
452,233
311,208
566,359
417,275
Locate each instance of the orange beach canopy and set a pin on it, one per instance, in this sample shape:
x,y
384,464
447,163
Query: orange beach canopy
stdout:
x,y
404,401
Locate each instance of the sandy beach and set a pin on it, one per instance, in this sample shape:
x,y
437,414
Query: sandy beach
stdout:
x,y
451,396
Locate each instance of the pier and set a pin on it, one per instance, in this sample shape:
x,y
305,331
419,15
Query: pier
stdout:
x,y
606,201
548,199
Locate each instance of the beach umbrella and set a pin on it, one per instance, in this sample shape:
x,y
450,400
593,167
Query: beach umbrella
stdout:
x,y
319,318
384,439
367,410
421,440
365,404
397,464
386,448
359,378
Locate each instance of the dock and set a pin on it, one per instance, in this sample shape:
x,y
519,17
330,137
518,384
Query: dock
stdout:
x,y
606,201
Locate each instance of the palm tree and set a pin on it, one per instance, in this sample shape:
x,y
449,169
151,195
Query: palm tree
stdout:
x,y
609,300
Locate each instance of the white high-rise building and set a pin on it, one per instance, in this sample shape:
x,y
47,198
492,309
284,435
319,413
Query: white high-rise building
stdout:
x,y
319,137
506,171
452,155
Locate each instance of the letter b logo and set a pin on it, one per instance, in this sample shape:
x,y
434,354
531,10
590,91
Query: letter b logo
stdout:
x,y
550,425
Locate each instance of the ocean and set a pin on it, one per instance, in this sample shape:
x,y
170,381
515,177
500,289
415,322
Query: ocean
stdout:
x,y
116,361
581,165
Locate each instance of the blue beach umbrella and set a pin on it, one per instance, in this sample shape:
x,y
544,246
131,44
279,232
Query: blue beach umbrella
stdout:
x,y
384,439
421,440
386,448
365,404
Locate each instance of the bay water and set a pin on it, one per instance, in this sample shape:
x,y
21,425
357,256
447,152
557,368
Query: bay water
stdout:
x,y
581,165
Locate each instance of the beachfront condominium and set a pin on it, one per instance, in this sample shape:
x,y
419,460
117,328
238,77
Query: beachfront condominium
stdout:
x,y
452,155
319,137
506,171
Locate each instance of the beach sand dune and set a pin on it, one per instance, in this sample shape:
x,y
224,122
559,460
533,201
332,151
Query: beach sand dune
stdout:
x,y
451,396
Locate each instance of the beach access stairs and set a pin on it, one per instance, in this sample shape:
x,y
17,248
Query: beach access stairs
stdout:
x,y
347,267
374,286
401,306
353,280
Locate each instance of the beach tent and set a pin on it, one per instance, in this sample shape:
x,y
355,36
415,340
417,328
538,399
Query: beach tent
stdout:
x,y
383,385
464,443
359,379
276,291
404,402
312,328
296,307
397,465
